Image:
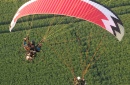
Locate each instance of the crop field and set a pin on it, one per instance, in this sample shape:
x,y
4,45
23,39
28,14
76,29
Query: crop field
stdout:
x,y
70,45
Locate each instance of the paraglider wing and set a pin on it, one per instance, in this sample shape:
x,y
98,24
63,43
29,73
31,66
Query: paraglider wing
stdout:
x,y
83,9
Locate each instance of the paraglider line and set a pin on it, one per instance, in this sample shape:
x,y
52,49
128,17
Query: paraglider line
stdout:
x,y
92,59
64,62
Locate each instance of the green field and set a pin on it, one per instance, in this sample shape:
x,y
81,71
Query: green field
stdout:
x,y
68,42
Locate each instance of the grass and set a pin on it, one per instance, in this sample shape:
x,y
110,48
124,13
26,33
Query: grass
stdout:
x,y
63,51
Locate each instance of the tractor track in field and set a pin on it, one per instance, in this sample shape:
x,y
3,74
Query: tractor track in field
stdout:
x,y
35,27
28,19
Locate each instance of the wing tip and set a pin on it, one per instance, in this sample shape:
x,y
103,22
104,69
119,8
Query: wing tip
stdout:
x,y
10,29
120,35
